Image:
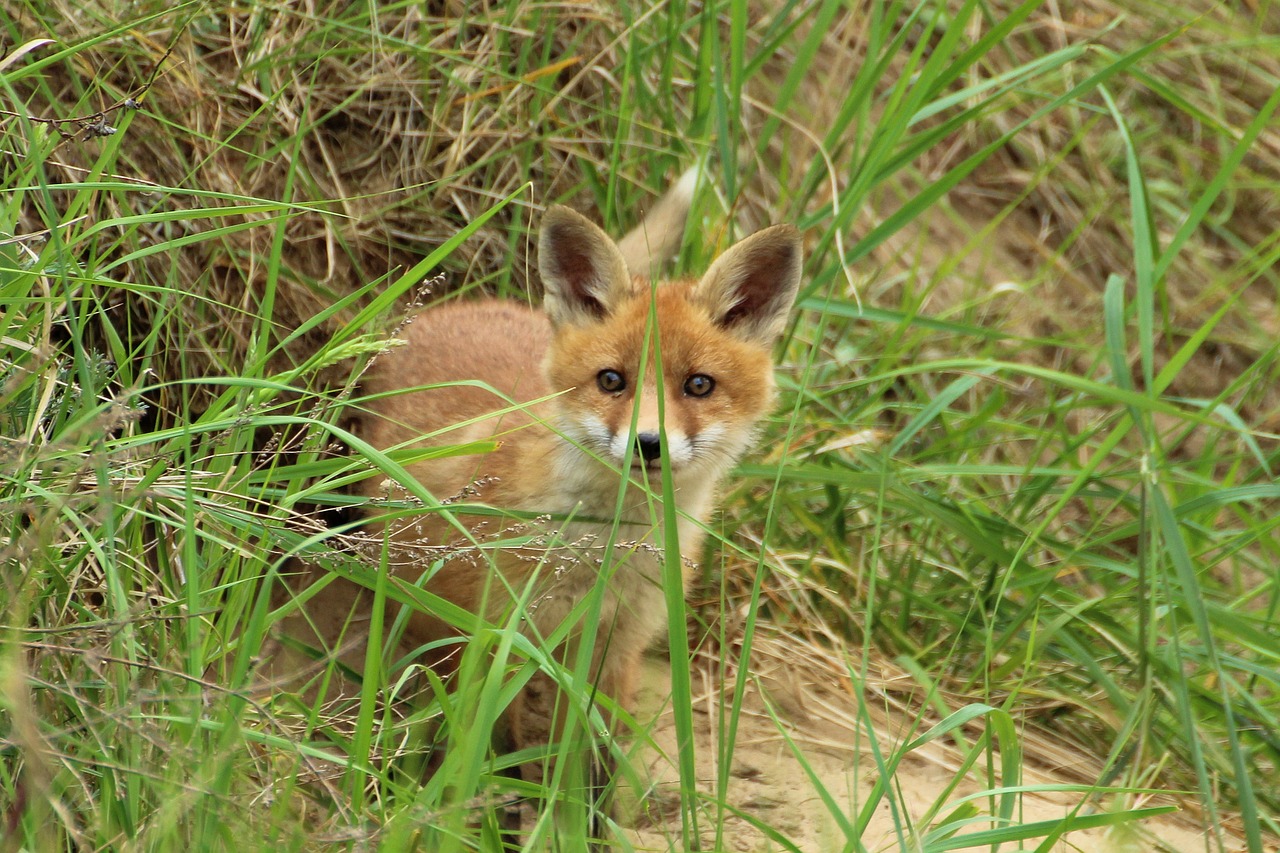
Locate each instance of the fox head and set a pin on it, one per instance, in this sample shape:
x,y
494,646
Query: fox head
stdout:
x,y
620,345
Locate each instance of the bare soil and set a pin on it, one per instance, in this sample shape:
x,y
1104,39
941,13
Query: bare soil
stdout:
x,y
779,767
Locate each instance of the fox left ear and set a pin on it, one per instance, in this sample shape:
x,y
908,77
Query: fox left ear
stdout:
x,y
584,276
751,287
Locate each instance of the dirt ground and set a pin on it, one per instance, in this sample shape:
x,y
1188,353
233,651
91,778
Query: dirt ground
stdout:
x,y
769,781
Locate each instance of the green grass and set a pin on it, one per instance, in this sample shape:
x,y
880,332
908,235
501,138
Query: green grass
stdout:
x,y
1025,451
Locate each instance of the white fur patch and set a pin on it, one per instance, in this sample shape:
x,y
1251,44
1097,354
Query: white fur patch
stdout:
x,y
688,182
710,453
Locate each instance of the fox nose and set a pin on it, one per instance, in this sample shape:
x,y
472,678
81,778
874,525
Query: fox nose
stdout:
x,y
649,446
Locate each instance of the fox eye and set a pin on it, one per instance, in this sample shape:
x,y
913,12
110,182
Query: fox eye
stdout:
x,y
611,381
699,385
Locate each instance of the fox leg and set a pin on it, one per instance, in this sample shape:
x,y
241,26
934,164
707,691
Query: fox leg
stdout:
x,y
538,717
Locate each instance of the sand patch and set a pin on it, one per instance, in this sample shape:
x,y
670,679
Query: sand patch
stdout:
x,y
783,762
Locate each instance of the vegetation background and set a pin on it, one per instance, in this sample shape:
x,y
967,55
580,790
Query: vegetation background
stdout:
x,y
1019,496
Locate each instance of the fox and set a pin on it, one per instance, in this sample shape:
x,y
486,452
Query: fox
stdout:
x,y
579,406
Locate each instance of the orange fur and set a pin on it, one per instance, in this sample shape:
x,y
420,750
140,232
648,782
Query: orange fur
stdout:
x,y
563,458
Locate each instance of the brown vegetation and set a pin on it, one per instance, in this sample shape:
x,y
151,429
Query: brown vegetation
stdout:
x,y
399,147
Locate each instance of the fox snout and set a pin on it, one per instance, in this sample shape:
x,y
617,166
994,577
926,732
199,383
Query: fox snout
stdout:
x,y
649,446
646,444
638,429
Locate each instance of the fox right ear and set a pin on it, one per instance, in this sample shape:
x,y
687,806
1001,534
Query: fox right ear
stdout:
x,y
749,289
584,276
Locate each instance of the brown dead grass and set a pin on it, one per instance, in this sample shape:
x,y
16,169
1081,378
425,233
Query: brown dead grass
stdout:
x,y
405,145
406,139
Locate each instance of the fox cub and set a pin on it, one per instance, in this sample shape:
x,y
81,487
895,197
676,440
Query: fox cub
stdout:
x,y
580,455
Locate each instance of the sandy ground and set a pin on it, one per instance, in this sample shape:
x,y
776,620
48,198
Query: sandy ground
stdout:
x,y
770,783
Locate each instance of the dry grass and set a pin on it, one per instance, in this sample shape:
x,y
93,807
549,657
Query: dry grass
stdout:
x,y
388,130
401,147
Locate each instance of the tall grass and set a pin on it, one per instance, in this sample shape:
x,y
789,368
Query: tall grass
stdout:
x,y
1025,452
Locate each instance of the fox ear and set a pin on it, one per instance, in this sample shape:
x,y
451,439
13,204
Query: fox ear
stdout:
x,y
584,276
751,287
